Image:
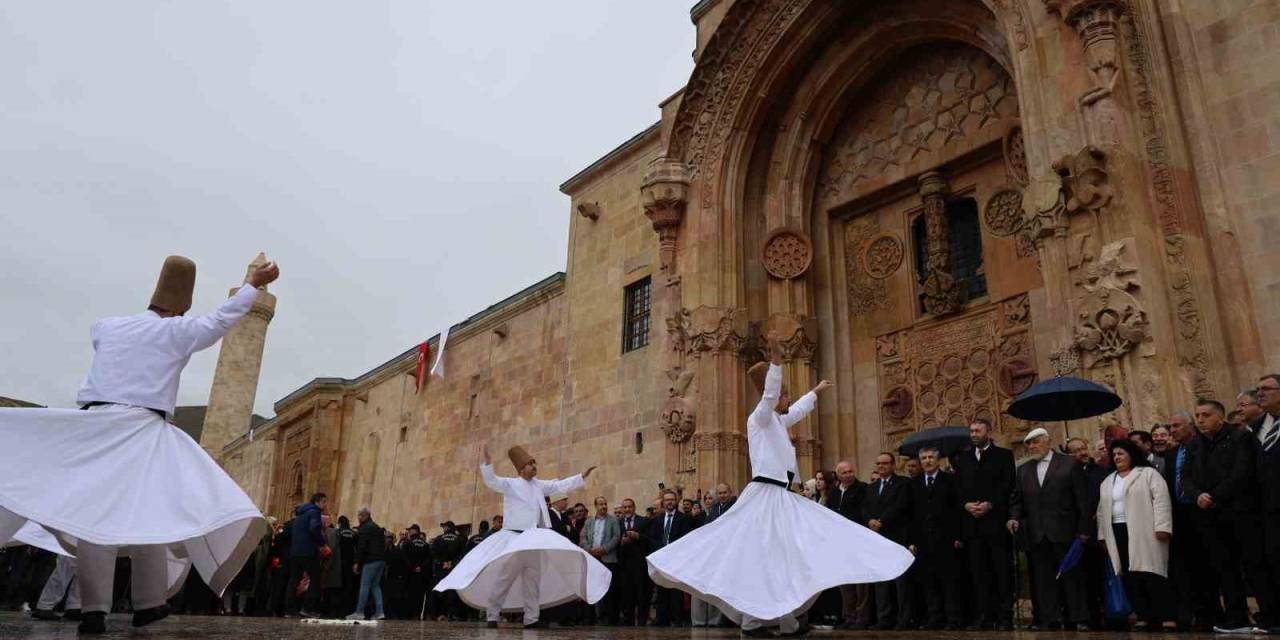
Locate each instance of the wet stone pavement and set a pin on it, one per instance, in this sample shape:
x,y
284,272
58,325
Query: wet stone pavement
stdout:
x,y
19,626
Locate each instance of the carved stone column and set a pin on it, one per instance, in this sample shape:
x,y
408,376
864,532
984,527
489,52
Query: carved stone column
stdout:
x,y
1097,22
942,295
663,194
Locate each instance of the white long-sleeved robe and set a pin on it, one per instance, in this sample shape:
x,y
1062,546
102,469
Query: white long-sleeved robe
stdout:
x,y
118,475
549,569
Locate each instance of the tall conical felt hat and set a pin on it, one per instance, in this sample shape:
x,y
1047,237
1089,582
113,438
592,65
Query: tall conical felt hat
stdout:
x,y
757,373
177,282
519,457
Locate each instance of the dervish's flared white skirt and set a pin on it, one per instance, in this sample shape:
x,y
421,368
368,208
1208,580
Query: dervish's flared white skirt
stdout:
x,y
121,476
565,571
773,553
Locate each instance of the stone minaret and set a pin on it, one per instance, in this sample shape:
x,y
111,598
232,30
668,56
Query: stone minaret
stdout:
x,y
235,381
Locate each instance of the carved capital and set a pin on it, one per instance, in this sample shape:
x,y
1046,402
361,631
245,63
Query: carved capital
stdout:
x,y
799,335
664,192
1096,21
707,329
1085,180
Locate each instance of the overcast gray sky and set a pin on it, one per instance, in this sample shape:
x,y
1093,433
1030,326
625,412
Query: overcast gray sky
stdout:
x,y
400,159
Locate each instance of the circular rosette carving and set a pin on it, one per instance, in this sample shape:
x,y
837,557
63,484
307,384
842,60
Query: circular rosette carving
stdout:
x,y
1003,214
897,405
678,419
883,256
787,253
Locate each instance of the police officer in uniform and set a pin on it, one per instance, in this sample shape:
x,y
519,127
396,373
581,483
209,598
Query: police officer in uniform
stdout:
x,y
417,556
446,551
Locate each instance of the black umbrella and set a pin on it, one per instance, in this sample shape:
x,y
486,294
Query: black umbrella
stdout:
x,y
948,440
1063,398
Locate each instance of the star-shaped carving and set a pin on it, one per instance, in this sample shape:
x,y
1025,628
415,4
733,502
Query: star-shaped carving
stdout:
x,y
950,127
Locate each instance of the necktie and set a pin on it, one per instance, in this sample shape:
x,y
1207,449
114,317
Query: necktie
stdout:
x,y
629,524
880,492
1272,435
928,482
666,530
1177,475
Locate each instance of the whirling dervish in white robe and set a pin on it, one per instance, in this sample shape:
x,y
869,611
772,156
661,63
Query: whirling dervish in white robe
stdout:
x,y
116,478
548,568
757,562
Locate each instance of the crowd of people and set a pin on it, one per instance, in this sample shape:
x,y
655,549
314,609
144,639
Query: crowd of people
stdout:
x,y
1187,514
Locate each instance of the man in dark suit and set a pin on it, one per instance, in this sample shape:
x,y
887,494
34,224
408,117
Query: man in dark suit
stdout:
x,y
886,511
1194,605
635,588
665,528
985,472
846,499
1218,475
1050,504
1266,428
934,537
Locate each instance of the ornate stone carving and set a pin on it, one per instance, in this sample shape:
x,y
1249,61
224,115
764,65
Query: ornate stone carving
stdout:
x,y
933,98
1110,322
1065,361
679,413
720,441
942,294
707,329
1186,311
955,370
1015,156
798,335
787,253
1096,22
1084,180
883,256
1003,213
866,294
664,192
1044,211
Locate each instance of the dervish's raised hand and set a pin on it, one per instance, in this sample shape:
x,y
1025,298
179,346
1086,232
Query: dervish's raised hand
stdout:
x,y
264,275
588,472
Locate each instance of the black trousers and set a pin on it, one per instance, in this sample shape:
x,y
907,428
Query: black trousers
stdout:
x,y
893,602
669,604
634,592
1233,542
935,573
1271,548
1144,589
991,562
1192,582
1053,592
298,565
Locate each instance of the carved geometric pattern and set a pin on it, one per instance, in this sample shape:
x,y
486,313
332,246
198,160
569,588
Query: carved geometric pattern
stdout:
x,y
934,96
1015,156
962,368
1003,214
883,256
787,254
866,293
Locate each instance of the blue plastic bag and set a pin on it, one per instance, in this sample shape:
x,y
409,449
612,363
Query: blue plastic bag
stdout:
x,y
1115,605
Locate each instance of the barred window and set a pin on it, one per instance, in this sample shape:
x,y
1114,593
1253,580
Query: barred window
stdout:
x,y
966,249
635,313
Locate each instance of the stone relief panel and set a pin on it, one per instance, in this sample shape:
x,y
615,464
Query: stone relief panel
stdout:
x,y
948,373
867,291
933,97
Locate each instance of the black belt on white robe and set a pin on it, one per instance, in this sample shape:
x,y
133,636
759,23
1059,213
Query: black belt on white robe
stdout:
x,y
96,403
777,483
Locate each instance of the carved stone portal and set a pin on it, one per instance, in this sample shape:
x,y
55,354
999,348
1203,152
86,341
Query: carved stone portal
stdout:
x,y
957,370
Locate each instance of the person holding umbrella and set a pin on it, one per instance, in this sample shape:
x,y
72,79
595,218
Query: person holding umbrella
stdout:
x,y
1135,522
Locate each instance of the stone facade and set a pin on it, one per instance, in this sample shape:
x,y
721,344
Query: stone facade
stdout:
x,y
936,202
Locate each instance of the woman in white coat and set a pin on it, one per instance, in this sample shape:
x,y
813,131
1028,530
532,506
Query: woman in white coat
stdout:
x,y
1135,521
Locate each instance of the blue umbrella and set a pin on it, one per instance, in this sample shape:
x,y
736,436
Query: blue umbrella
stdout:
x,y
948,440
1072,559
1063,398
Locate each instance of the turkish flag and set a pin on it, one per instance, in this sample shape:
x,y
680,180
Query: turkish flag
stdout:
x,y
424,354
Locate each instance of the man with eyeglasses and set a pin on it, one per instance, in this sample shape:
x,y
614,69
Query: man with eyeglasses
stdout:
x,y
1267,428
1249,409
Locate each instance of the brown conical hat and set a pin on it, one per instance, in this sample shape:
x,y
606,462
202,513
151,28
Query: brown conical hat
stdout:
x,y
519,457
177,282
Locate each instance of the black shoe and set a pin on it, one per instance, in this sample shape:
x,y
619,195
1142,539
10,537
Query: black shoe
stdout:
x,y
93,622
758,632
71,615
541,624
801,632
492,624
44,614
144,617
